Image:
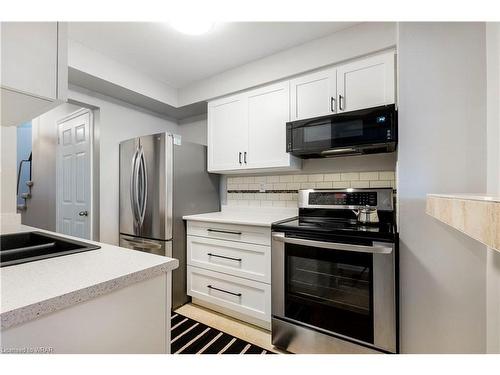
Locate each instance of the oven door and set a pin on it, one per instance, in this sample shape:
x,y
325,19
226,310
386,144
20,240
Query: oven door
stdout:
x,y
341,133
343,290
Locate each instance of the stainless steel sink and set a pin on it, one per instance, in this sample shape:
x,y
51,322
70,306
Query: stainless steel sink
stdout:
x,y
31,246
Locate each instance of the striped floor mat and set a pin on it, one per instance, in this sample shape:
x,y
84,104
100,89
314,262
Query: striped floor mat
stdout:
x,y
191,337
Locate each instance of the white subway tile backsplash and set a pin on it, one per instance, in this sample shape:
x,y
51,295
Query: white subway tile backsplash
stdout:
x,y
373,179
324,185
260,179
286,178
360,184
300,178
248,179
341,185
315,177
332,177
349,176
307,185
368,176
380,184
387,175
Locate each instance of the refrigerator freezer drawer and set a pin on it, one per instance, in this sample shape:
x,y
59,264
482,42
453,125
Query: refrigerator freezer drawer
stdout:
x,y
157,247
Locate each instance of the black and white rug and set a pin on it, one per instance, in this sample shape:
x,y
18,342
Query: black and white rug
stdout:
x,y
191,337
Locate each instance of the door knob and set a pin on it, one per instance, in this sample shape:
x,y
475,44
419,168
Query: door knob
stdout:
x,y
83,213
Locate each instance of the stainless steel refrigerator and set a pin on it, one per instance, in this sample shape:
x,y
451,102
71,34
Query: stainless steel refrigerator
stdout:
x,y
163,178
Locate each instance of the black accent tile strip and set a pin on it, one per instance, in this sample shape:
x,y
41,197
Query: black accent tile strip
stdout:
x,y
265,192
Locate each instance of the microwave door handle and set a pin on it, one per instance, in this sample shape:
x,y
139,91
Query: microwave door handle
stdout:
x,y
376,248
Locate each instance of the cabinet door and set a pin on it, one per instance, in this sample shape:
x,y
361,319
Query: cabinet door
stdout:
x,y
29,57
268,112
313,94
227,133
366,83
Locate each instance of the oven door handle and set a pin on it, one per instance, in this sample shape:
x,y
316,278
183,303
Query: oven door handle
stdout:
x,y
376,248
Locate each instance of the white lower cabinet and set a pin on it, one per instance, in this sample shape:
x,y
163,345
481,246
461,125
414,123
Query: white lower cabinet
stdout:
x,y
230,275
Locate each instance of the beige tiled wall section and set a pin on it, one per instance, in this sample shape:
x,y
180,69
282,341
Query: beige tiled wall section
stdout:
x,y
296,182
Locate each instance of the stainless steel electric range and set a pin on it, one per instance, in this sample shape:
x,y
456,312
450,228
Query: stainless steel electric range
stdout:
x,y
335,279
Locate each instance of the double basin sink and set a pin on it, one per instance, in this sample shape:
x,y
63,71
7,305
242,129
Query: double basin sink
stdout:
x,y
31,246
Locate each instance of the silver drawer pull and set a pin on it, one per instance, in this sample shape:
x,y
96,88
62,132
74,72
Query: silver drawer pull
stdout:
x,y
376,248
223,231
224,257
223,291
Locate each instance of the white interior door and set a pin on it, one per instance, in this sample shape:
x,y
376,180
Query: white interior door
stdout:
x,y
268,112
313,95
366,83
73,175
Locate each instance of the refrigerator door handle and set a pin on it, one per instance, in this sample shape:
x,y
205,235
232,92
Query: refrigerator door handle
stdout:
x,y
143,176
133,186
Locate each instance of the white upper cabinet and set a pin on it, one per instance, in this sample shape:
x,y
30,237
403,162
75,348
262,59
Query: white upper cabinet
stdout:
x,y
268,112
227,133
33,69
313,94
247,132
365,83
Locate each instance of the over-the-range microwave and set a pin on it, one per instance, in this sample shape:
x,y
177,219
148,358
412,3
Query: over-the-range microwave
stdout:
x,y
365,131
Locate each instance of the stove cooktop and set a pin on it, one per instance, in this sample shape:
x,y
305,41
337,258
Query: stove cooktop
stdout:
x,y
322,226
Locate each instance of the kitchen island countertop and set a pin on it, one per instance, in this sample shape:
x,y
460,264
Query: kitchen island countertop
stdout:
x,y
30,290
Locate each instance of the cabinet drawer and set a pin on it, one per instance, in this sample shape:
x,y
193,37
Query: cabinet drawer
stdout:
x,y
232,232
235,258
245,297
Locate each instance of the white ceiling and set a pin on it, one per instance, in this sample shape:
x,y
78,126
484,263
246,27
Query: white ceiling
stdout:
x,y
178,59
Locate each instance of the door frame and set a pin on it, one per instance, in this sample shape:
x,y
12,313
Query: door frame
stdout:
x,y
92,217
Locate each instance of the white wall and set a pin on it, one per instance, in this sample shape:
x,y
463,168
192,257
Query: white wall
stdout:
x,y
96,64
41,207
8,172
194,129
345,44
493,113
442,148
118,121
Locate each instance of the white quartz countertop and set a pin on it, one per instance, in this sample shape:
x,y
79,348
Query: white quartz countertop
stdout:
x,y
469,196
29,290
262,217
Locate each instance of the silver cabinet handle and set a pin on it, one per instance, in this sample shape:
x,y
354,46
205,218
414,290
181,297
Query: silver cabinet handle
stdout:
x,y
341,103
239,157
245,157
83,213
223,231
333,106
224,257
376,248
224,291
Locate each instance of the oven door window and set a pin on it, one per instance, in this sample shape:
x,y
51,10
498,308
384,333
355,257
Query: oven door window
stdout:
x,y
330,289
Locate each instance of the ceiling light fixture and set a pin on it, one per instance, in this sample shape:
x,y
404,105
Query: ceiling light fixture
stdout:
x,y
192,27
